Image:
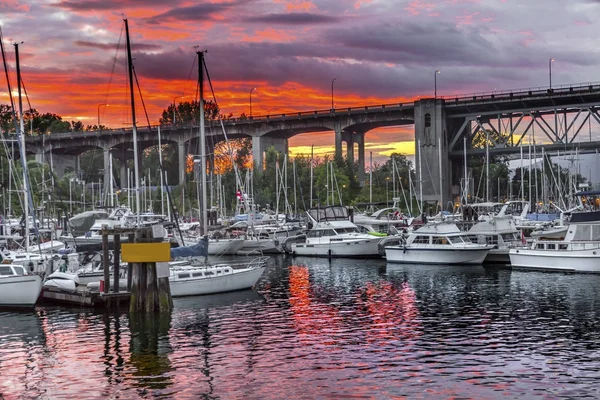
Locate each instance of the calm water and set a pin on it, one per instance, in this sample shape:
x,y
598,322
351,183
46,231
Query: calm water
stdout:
x,y
320,329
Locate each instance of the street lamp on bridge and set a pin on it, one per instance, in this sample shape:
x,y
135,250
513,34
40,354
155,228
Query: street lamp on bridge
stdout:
x,y
251,90
435,74
100,105
550,61
333,80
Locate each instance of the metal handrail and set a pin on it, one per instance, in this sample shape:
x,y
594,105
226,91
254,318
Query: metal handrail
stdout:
x,y
521,91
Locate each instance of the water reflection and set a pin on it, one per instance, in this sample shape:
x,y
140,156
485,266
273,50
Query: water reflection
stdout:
x,y
21,338
314,328
149,352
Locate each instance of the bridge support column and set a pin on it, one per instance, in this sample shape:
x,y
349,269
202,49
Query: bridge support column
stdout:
x,y
260,144
360,139
338,139
349,139
182,155
431,149
61,163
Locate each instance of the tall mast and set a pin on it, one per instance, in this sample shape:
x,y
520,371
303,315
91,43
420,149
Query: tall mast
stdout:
x,y
202,141
22,151
136,169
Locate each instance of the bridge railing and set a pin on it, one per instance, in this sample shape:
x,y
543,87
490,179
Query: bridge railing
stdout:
x,y
519,93
271,117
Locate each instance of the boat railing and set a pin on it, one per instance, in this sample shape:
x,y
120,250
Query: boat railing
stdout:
x,y
572,244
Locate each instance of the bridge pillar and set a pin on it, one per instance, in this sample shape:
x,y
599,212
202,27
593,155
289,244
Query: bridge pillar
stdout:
x,y
349,139
360,139
431,148
338,139
260,144
182,155
61,163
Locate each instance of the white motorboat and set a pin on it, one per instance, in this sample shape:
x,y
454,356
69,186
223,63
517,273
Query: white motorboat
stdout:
x,y
440,243
194,280
499,232
578,252
17,288
331,234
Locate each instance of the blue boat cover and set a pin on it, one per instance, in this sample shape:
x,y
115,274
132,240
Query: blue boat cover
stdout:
x,y
199,249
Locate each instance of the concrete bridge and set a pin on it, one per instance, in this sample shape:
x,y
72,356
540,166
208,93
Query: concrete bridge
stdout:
x,y
443,125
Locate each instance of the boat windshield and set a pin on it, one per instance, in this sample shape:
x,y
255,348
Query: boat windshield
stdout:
x,y
340,231
459,239
509,237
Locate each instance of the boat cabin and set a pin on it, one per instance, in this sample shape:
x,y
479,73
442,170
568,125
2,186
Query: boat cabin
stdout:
x,y
12,270
438,234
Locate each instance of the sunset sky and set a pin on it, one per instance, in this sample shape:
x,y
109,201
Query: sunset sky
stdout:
x,y
378,51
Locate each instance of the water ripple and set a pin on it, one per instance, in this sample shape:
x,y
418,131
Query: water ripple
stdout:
x,y
324,329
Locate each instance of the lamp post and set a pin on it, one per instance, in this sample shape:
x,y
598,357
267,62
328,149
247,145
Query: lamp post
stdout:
x,y
100,105
550,61
175,106
251,90
333,80
435,74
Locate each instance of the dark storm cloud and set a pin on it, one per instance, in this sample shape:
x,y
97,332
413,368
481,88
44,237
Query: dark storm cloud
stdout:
x,y
101,5
114,46
292,19
196,13
409,42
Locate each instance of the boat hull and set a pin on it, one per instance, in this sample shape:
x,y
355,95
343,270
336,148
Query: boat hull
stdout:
x,y
469,256
224,246
228,283
497,256
350,249
565,260
20,291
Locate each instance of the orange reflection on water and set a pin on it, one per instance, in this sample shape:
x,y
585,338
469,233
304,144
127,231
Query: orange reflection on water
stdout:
x,y
310,318
384,311
393,311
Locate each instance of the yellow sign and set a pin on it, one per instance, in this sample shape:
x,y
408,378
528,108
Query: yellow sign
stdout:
x,y
145,252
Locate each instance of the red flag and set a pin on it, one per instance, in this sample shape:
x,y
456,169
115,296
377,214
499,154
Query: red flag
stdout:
x,y
523,240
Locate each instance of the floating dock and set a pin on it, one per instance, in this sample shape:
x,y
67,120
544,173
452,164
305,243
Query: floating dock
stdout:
x,y
85,298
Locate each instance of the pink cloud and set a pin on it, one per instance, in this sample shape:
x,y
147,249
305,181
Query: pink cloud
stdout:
x,y
416,7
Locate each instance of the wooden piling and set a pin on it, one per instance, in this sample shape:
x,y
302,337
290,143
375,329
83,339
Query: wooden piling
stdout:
x,y
105,261
149,293
116,263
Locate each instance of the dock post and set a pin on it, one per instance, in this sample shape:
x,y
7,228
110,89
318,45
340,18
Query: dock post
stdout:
x,y
130,239
150,292
105,261
116,263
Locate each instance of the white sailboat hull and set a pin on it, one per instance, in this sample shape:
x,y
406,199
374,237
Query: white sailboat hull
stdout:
x,y
20,291
564,260
258,246
220,247
345,248
450,256
238,280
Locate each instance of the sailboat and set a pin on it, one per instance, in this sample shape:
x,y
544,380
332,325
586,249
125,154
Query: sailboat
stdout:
x,y
192,276
17,287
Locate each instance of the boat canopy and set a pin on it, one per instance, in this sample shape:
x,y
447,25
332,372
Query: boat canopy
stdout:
x,y
199,249
329,213
81,223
